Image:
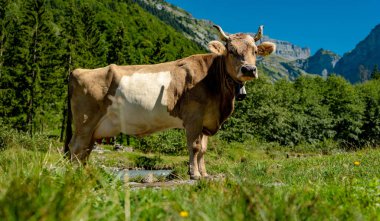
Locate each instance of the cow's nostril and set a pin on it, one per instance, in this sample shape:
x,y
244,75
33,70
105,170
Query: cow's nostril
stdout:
x,y
248,70
244,70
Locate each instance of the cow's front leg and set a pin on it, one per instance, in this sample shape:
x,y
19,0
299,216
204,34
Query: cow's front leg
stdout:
x,y
80,148
194,144
82,142
201,159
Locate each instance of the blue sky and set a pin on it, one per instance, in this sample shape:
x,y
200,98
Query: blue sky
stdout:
x,y
337,25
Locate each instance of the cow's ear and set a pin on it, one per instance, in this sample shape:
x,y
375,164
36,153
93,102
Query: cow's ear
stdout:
x,y
217,47
266,48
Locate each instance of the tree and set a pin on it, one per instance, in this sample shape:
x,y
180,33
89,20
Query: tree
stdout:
x,y
375,74
4,23
117,47
41,53
370,94
95,47
346,108
158,54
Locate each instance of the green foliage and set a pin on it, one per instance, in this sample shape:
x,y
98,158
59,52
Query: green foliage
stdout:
x,y
375,73
169,142
370,93
310,110
147,162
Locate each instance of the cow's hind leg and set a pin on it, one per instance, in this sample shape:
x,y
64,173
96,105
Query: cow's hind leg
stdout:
x,y
201,159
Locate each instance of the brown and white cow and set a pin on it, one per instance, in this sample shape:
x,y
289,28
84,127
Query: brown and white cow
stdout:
x,y
196,93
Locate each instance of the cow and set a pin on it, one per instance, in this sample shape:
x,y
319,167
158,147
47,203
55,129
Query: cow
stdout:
x,y
196,93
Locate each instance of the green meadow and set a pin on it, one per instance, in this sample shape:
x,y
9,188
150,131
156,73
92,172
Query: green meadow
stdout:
x,y
254,181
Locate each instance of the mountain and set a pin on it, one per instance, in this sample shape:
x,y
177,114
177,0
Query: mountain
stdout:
x,y
198,30
289,61
278,67
202,32
321,63
288,50
357,64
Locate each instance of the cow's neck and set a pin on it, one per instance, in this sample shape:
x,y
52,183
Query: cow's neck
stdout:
x,y
222,87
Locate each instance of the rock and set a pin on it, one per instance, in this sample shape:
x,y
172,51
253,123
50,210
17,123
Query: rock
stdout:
x,y
288,50
119,147
149,178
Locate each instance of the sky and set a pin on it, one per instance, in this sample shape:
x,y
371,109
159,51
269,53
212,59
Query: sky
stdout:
x,y
336,25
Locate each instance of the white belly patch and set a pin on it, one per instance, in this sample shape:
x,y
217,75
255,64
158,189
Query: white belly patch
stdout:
x,y
139,106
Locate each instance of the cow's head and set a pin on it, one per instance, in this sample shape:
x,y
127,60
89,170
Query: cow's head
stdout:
x,y
240,52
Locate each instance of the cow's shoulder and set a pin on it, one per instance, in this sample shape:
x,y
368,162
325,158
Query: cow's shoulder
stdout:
x,y
92,75
94,82
187,82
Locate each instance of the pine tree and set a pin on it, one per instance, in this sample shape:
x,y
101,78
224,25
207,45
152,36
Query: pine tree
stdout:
x,y
180,54
72,33
375,72
158,54
117,47
4,23
95,46
42,61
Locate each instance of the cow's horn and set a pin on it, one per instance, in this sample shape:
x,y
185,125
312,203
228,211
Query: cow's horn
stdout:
x,y
221,33
259,33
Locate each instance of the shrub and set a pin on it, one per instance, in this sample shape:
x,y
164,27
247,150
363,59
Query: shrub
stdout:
x,y
11,138
170,142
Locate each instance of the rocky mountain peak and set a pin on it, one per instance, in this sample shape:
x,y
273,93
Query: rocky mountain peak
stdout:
x,y
357,64
202,32
321,63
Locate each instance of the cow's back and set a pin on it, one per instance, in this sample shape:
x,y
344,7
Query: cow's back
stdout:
x,y
130,99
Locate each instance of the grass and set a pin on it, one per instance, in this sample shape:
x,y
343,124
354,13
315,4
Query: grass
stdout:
x,y
262,182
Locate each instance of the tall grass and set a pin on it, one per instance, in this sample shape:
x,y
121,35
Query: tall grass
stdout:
x,y
42,185
261,182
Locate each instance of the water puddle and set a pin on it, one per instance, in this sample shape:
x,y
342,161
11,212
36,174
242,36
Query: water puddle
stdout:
x,y
143,173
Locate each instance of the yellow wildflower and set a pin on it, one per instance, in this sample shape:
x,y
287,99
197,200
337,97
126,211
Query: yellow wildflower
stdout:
x,y
356,163
184,214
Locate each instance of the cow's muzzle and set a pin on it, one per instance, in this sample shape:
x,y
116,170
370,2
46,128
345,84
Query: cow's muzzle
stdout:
x,y
249,71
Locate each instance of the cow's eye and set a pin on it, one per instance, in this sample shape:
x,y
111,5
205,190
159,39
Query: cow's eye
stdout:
x,y
255,52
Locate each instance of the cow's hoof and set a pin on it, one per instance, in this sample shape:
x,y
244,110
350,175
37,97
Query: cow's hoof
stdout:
x,y
195,177
206,177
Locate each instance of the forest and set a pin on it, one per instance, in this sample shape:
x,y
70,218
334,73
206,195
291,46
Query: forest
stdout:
x,y
41,42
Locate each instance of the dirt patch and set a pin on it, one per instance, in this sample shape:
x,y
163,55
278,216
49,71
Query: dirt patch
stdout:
x,y
160,185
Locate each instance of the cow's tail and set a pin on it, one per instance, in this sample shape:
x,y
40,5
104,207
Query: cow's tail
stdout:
x,y
69,129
